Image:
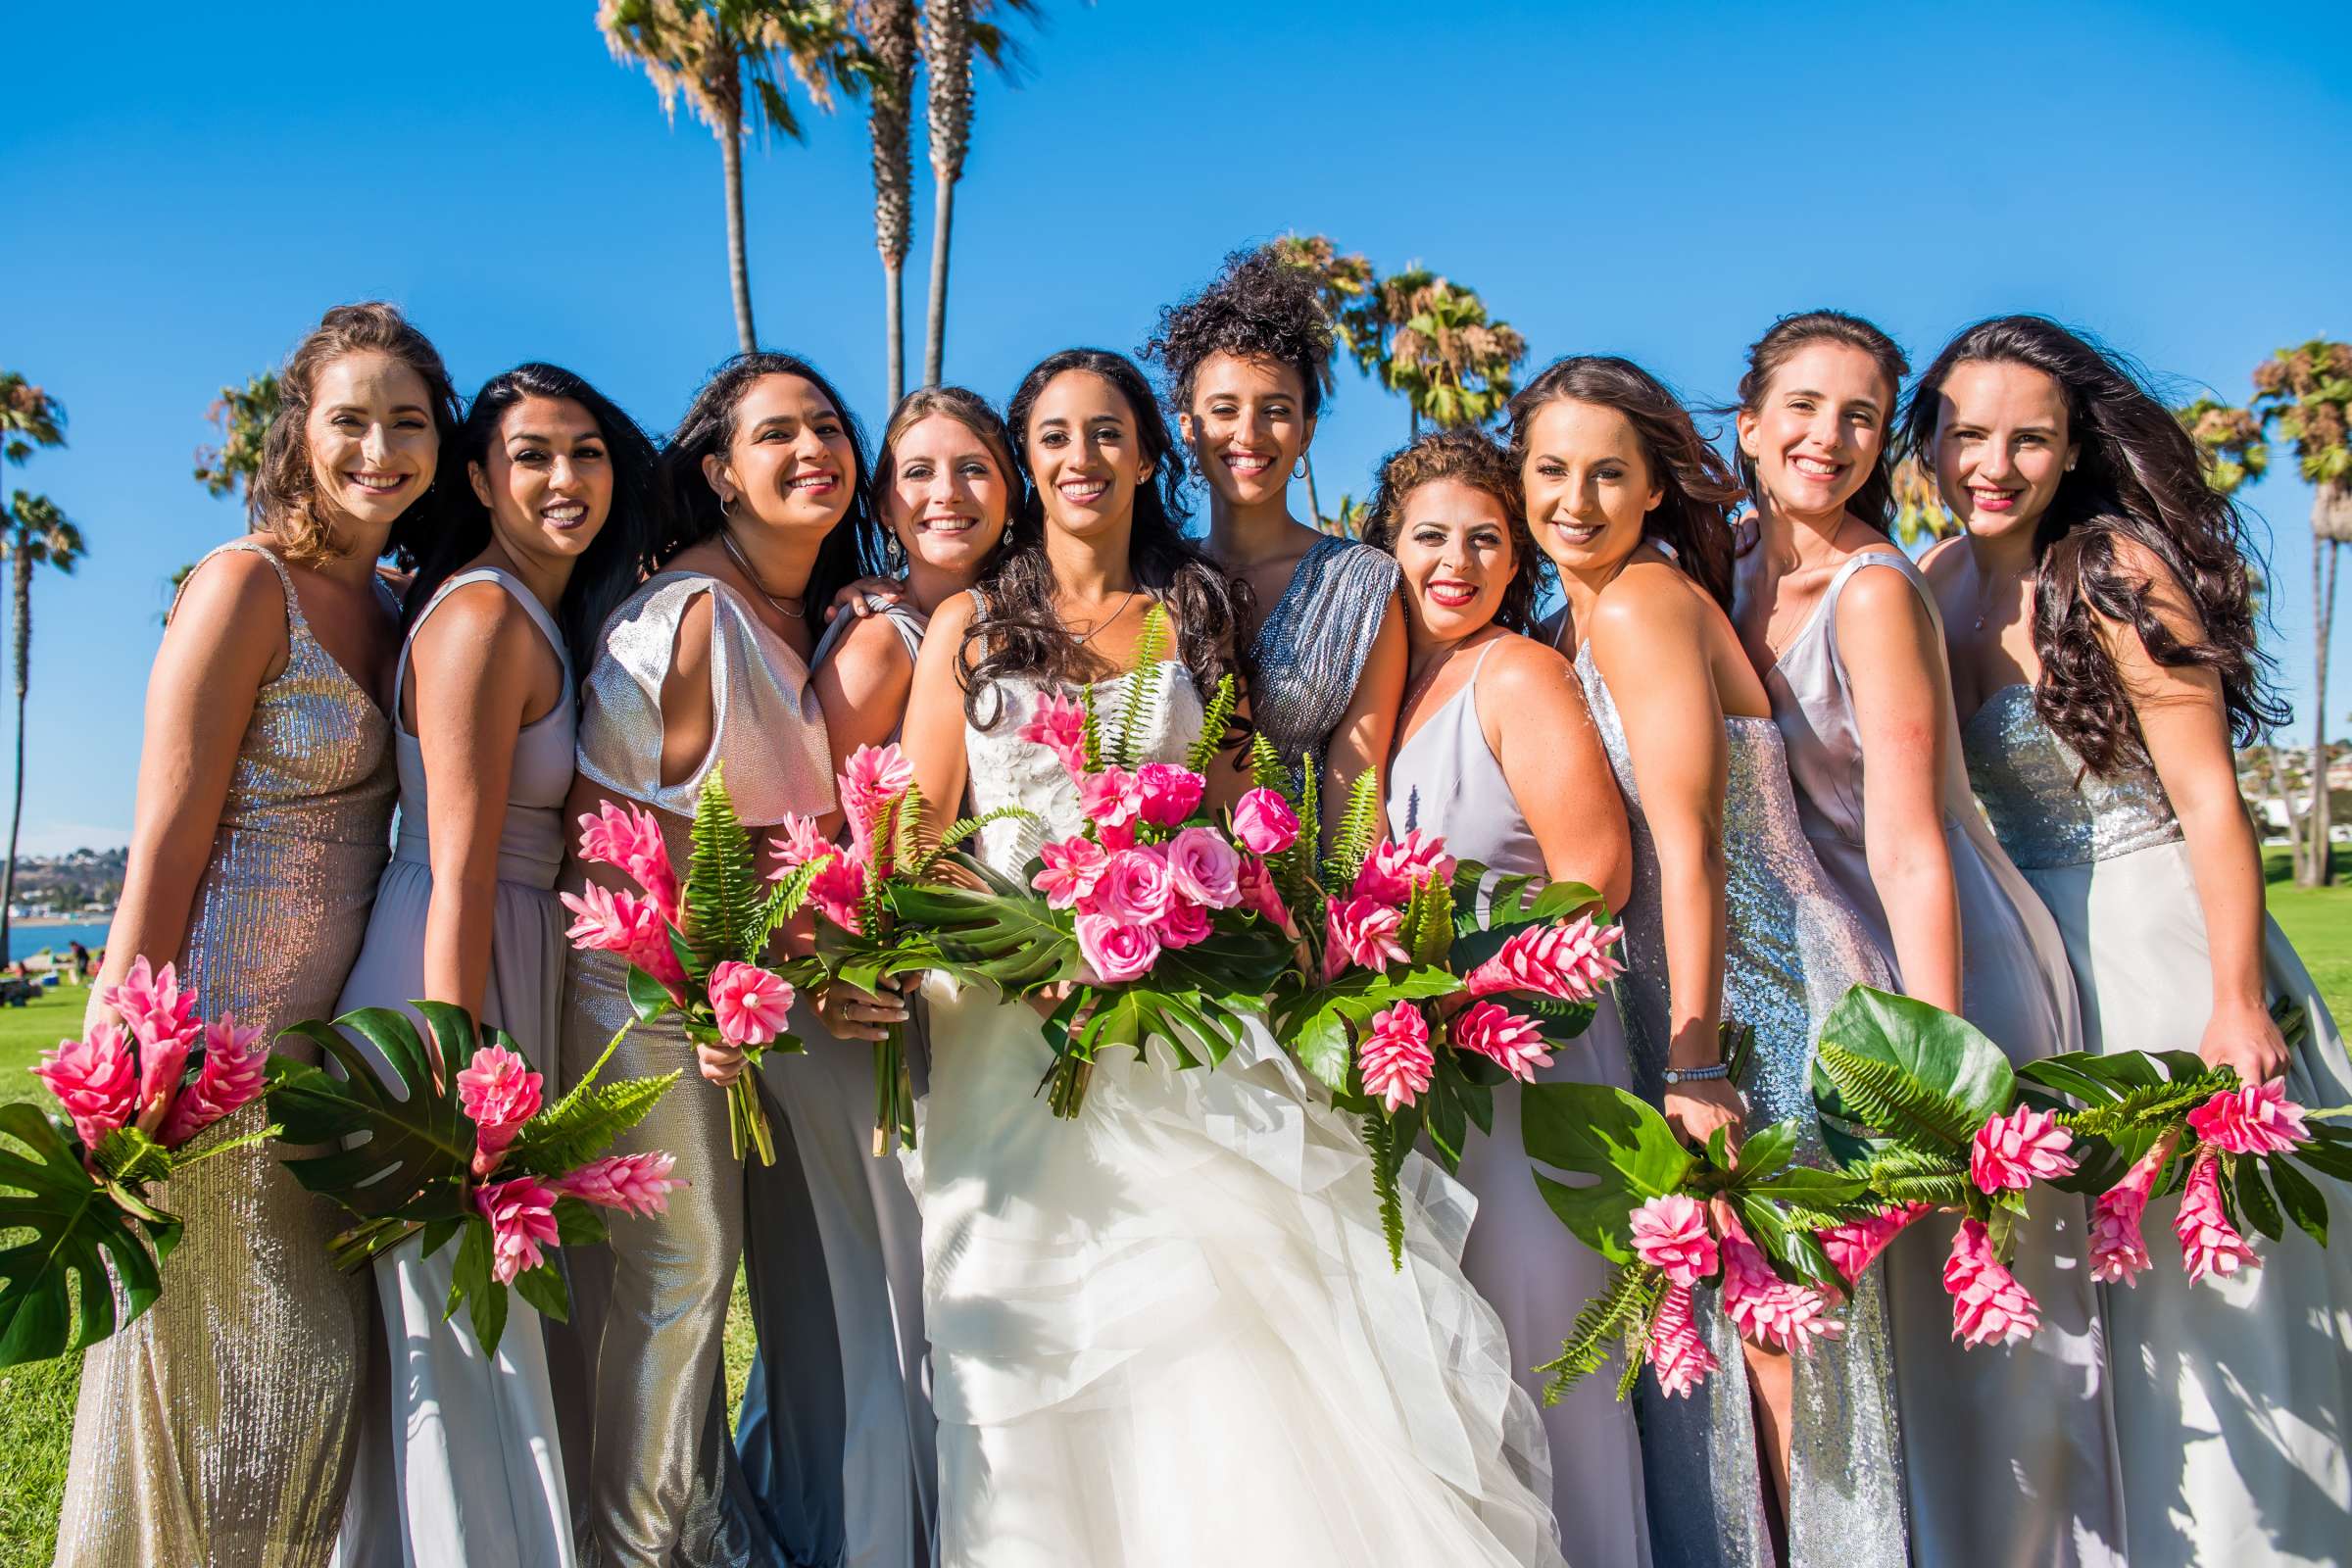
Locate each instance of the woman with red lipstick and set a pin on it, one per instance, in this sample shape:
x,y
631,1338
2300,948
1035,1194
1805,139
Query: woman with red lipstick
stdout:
x,y
1842,629
1249,365
1529,797
1730,922
707,665
220,1426
2100,623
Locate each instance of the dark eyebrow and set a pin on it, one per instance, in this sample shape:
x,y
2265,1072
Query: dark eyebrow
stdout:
x,y
354,407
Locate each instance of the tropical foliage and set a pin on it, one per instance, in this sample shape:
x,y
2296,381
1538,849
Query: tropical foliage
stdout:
x,y
33,533
243,415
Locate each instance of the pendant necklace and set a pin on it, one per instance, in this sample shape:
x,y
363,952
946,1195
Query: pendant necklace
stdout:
x,y
727,542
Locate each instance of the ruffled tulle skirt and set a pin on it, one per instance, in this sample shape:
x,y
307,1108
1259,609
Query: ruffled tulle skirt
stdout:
x,y
1168,1332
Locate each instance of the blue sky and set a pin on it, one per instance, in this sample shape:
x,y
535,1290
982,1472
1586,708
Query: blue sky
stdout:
x,y
1660,181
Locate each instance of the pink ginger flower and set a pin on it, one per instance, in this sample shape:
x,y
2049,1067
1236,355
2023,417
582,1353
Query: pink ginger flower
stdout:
x,y
97,1079
1362,932
1073,867
1185,925
1204,868
629,837
1116,950
155,1011
1258,895
1678,1356
1134,888
1509,1040
522,1218
2014,1151
235,1072
1397,867
1112,798
1170,794
499,1093
636,1184
2208,1243
874,777
797,844
2119,1249
1395,1056
752,1003
1264,822
2258,1121
1767,1309
1988,1306
1570,962
1058,723
1670,1233
837,891
1856,1244
606,921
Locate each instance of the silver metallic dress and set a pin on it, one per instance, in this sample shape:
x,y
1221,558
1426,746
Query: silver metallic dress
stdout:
x,y
653,1472
2230,1396
1793,947
1312,647
219,1429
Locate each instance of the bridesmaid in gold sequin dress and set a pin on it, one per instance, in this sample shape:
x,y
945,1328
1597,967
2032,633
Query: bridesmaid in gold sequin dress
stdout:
x,y
218,1428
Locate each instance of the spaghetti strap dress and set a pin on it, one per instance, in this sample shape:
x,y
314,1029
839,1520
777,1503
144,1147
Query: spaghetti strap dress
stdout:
x,y
2012,1451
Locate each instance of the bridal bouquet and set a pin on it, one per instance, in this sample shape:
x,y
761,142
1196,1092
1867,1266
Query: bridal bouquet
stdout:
x,y
134,1094
699,951
467,1150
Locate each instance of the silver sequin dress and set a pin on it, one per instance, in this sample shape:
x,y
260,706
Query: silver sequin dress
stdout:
x,y
2230,1396
1310,649
1794,946
219,1428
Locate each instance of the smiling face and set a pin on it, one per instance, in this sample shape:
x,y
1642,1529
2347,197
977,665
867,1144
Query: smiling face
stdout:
x,y
791,464
371,438
2001,444
1818,429
948,498
1086,455
548,481
1247,427
1455,546
1589,486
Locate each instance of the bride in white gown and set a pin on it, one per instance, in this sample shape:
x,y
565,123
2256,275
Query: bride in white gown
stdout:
x,y
1167,1331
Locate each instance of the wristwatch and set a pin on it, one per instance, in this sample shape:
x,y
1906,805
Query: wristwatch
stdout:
x,y
1695,1075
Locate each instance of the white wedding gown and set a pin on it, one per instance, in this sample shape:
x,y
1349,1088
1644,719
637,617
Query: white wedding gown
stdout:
x,y
1167,1331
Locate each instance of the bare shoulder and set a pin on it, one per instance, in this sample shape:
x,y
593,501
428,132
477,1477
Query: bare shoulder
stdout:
x,y
951,620
690,649
1648,600
1883,602
482,619
1944,561
870,652
1522,667
233,595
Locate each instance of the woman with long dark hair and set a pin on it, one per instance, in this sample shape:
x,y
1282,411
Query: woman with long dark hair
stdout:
x,y
1730,924
1844,630
220,1426
1166,1332
1249,364
2100,620
704,666
554,521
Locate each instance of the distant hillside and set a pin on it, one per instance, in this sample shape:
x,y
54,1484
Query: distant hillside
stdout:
x,y
67,882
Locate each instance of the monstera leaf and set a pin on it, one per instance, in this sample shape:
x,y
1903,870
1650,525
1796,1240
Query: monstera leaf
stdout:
x,y
1608,1134
76,1222
409,1145
1893,1071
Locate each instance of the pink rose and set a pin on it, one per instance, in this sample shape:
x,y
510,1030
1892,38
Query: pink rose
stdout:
x,y
97,1079
1264,822
1112,798
499,1093
1669,1234
1184,925
628,837
636,1184
1116,950
1362,932
1396,1058
1262,897
1134,888
752,1003
1169,793
234,1074
1205,867
1058,723
522,1218
1073,867
2011,1152
1512,1042
2257,1120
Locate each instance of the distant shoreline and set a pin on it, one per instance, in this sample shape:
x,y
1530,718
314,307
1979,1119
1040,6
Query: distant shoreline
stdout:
x,y
63,919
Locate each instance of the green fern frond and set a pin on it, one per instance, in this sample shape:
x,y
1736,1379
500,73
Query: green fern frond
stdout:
x,y
1311,814
1629,1303
2152,1103
1892,1103
1428,933
962,828
1359,830
1216,719
1143,686
1904,1175
783,901
1381,1138
1266,771
907,829
1089,729
583,1125
721,884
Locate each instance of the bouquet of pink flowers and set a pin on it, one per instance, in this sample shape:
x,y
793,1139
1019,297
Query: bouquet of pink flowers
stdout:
x,y
134,1094
469,1149
701,949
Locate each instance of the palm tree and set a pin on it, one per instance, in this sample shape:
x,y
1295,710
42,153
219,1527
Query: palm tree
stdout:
x,y
722,56
888,28
243,415
30,417
1918,505
952,32
1430,339
1340,281
33,533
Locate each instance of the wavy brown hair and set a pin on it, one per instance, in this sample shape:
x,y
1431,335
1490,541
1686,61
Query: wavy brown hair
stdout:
x,y
1874,502
967,408
283,501
2138,477
1693,514
1019,634
1471,458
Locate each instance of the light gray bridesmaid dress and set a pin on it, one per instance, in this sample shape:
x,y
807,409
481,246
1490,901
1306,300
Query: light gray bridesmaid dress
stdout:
x,y
2233,1396
1447,780
2012,1451
476,1469
882,1484
1310,649
655,1479
1794,945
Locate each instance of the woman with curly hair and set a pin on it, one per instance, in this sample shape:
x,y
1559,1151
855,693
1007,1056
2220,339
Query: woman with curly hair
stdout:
x,y
1496,753
1249,364
2100,623
1732,923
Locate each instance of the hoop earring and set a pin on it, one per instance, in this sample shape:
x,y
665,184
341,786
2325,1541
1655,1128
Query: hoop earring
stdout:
x,y
1299,469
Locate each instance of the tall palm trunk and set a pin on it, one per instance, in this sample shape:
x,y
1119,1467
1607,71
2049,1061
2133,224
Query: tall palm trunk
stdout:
x,y
2319,870
893,316
739,269
948,53
935,339
1314,507
22,584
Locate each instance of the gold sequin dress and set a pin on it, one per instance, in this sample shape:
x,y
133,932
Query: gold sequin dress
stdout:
x,y
216,1429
